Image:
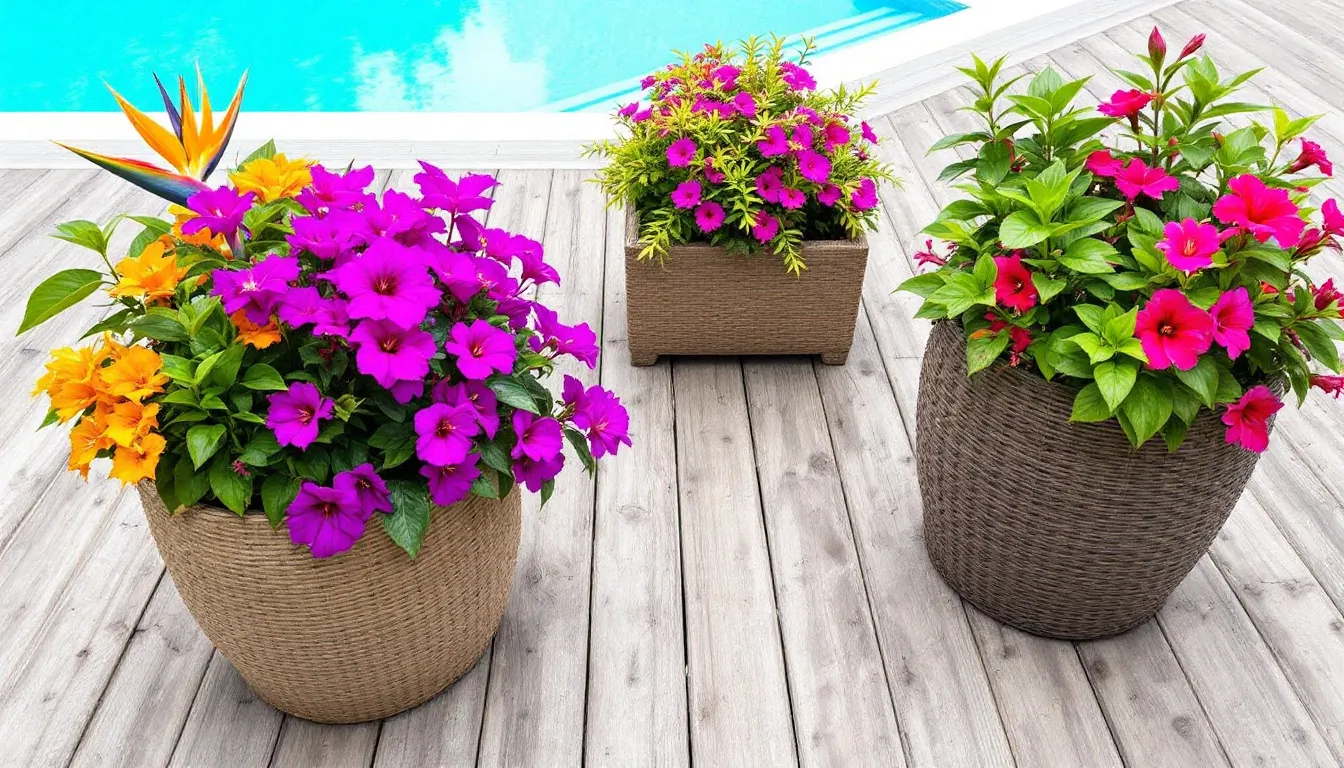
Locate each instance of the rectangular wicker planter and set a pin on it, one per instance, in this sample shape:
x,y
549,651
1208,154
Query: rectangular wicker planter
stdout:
x,y
705,301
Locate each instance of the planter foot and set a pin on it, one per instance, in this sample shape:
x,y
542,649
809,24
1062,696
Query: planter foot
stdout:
x,y
835,358
642,359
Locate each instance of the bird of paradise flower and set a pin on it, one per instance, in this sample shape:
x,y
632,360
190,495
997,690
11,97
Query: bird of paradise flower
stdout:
x,y
192,148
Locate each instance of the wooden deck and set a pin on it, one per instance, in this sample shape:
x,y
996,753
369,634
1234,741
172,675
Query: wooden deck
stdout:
x,y
746,585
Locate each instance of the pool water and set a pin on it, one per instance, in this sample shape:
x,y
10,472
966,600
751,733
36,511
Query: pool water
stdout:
x,y
393,55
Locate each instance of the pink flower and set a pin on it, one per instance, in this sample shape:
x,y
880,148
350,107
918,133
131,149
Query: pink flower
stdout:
x,y
1263,211
745,104
327,520
1232,319
1138,179
388,282
1247,419
532,475
867,131
713,175
796,77
642,115
1157,47
1019,337
600,415
539,437
814,166
1173,331
390,353
1013,287
1326,294
865,197
629,109
445,433
1189,245
709,216
1195,44
770,183
464,195
1101,163
801,138
930,256
578,341
1330,385
1312,154
792,199
367,486
475,394
481,349
686,195
295,416
829,195
765,228
258,289
1125,104
681,152
451,484
835,135
776,142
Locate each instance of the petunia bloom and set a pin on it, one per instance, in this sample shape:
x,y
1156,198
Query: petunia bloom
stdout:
x,y
1138,179
681,152
776,142
1263,211
600,415
1233,318
481,349
539,437
532,475
830,195
1125,104
835,135
220,211
709,216
814,166
388,282
1173,331
770,183
368,487
745,104
1189,245
686,195
390,353
868,134
765,228
796,77
258,289
1247,419
480,398
327,520
454,197
451,484
578,341
1312,154
1332,220
296,415
792,199
865,197
334,191
444,433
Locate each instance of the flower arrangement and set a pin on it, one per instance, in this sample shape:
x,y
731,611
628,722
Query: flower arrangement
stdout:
x,y
1158,267
298,344
736,147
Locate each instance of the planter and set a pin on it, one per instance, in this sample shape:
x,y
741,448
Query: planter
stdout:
x,y
360,636
1061,529
705,301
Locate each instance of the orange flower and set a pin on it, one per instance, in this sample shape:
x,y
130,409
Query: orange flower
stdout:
x,y
152,276
201,239
88,438
130,421
134,374
131,465
273,178
72,380
259,336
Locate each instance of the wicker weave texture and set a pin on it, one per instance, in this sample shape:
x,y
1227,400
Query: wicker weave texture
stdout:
x,y
705,301
359,636
1056,528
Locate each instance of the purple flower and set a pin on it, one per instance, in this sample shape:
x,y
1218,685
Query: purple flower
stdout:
x,y
402,218
709,216
325,238
301,306
725,75
481,349
810,114
462,196
457,271
576,340
539,437
796,77
451,484
745,104
220,211
533,474
680,153
333,191
601,416
535,268
388,282
686,195
406,390
368,487
647,82
801,138
327,520
295,415
765,228
835,135
257,289
475,394
445,433
776,142
829,195
791,198
865,196
867,131
629,109
390,353
332,319
713,175
642,115
770,183
814,166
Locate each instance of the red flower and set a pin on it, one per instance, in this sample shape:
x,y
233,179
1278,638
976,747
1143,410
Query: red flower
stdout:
x,y
1020,337
1330,385
1312,154
1013,287
1233,318
1332,219
1247,419
1195,44
1263,211
1157,47
1173,331
1138,179
1125,104
1325,294
1101,163
929,256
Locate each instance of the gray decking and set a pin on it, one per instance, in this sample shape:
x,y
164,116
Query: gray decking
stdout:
x,y
747,585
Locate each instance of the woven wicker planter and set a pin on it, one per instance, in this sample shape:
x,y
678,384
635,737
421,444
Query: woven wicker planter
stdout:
x,y
360,636
705,301
1060,529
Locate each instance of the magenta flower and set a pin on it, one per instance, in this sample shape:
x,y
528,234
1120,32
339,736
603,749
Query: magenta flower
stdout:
x,y
1331,217
713,175
445,433
1101,163
1173,331
1247,419
642,115
220,211
325,238
531,257
333,191
406,390
451,484
686,195
629,109
765,228
865,197
477,396
481,349
801,138
1189,245
867,131
388,282
1125,104
258,289
745,104
578,341
465,195
770,183
792,199
930,256
402,218
1312,154
300,306
835,135
681,152
600,415
814,166
332,319
1330,385
534,474
539,437
390,353
295,415
724,76
796,77
367,486
709,216
1326,294
829,195
1013,287
776,142
1263,211
1232,319
1138,179
327,520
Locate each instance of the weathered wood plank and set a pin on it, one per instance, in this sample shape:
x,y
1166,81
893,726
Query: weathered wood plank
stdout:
x,y
229,726
43,203
637,659
303,743
16,183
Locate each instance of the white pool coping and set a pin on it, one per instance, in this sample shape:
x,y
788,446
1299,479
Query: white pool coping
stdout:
x,y
1017,28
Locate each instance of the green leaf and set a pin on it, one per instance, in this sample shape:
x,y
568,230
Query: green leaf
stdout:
x,y
260,448
189,483
511,392
923,285
1202,379
1120,329
1318,343
232,489
57,294
1047,287
1115,380
1148,408
1096,348
160,328
495,454
1023,229
1174,434
391,434
962,292
547,490
225,372
1088,256
484,487
986,272
1091,209
398,454
995,160
83,233
1090,405
263,378
204,367
1147,222
957,139
982,350
203,440
1092,317
579,442
264,152
1127,281
409,521
277,493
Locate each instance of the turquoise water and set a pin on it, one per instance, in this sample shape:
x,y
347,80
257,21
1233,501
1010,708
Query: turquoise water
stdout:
x,y
392,55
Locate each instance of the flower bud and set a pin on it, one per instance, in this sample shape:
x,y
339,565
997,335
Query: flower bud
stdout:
x,y
1157,47
1195,44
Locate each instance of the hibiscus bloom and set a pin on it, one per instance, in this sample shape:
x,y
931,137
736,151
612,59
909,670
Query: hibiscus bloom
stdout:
x,y
296,415
1101,163
1013,287
327,520
1232,320
1138,179
1247,419
1125,104
1189,245
1173,331
1263,211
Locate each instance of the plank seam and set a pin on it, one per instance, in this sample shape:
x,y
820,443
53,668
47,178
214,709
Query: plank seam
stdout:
x,y
1217,737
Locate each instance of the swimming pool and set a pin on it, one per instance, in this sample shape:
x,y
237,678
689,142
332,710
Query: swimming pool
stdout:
x,y
395,55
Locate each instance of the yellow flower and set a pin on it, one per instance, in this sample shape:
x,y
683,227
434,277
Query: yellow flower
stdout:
x,y
130,421
131,465
151,276
273,178
201,239
88,438
73,380
134,374
259,336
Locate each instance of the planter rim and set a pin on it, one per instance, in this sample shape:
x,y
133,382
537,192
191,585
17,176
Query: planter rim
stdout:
x,y
632,238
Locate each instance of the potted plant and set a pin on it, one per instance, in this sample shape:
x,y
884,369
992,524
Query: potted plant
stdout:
x,y
736,154
1130,309
327,399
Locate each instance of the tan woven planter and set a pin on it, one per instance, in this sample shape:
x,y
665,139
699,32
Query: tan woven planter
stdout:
x,y
705,301
1060,529
360,636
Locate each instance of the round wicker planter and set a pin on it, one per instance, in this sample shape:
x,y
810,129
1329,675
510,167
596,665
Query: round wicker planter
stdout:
x,y
1056,528
360,636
